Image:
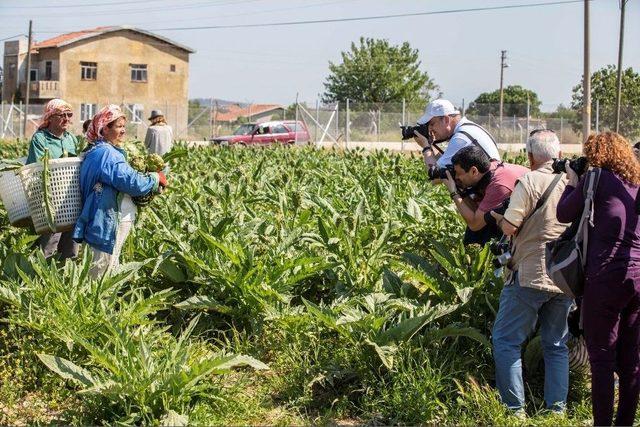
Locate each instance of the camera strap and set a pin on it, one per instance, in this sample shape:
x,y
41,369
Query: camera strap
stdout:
x,y
543,199
541,202
473,140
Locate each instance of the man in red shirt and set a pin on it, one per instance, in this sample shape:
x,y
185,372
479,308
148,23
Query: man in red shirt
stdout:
x,y
491,183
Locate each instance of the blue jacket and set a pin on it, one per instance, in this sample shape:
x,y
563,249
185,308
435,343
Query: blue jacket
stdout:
x,y
104,176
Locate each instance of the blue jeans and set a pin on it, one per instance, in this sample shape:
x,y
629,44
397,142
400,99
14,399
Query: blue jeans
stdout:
x,y
520,309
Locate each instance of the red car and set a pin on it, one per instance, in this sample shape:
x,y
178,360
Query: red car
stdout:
x,y
267,133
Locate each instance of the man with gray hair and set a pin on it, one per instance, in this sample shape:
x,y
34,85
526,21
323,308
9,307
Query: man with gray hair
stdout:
x,y
529,296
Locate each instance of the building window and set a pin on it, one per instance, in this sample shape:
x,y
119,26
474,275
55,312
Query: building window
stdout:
x,y
137,112
87,111
89,70
172,68
138,72
33,75
48,67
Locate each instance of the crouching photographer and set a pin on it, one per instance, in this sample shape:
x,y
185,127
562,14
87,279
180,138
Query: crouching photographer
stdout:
x,y
487,184
441,122
529,296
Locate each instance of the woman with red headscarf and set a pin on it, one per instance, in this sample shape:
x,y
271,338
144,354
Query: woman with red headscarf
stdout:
x,y
52,134
107,183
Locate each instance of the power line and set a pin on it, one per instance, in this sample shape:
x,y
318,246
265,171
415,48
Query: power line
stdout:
x,y
137,10
369,18
65,6
12,37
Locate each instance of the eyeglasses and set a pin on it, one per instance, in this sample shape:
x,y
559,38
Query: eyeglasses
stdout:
x,y
64,115
533,132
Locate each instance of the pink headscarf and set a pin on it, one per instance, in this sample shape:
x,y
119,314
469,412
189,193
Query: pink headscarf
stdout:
x,y
53,107
105,116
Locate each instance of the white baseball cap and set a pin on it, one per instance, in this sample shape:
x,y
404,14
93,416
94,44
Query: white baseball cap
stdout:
x,y
437,108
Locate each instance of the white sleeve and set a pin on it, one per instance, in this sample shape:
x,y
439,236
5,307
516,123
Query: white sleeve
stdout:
x,y
454,146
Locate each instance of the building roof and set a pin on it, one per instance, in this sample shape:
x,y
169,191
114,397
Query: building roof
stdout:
x,y
234,112
68,38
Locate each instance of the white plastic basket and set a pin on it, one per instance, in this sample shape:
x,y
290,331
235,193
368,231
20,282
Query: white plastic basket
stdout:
x,y
64,193
13,198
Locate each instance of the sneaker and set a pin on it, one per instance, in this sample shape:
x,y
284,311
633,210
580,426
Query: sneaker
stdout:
x,y
519,413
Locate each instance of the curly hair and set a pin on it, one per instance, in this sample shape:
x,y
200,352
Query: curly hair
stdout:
x,y
612,151
158,120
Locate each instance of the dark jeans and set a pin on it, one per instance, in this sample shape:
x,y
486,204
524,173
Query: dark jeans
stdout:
x,y
62,243
611,308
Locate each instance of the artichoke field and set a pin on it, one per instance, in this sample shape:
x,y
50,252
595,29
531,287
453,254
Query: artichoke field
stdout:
x,y
276,285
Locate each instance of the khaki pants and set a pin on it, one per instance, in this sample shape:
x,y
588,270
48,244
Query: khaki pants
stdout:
x,y
104,262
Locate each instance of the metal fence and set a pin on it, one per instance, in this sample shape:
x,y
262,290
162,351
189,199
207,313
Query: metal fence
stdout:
x,y
350,121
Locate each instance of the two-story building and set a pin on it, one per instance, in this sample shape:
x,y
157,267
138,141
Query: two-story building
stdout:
x,y
134,68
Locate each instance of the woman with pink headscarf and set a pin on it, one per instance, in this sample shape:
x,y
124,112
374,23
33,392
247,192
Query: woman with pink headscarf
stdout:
x,y
108,183
53,134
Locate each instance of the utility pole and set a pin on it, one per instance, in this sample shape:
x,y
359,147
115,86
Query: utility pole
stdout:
x,y
503,65
619,91
586,78
27,79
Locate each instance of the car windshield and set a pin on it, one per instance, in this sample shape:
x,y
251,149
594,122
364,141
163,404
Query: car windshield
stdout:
x,y
244,130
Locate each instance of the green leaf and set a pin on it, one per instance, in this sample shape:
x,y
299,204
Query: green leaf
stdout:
x,y
413,209
198,302
386,353
409,327
67,369
241,360
172,418
10,296
456,331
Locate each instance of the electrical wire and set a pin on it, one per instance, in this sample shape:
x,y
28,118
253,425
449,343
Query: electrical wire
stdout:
x,y
368,18
134,11
12,37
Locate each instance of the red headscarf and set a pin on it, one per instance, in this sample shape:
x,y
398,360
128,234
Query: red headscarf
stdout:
x,y
105,116
53,107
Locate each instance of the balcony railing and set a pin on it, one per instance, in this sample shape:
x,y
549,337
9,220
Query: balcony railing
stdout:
x,y
44,89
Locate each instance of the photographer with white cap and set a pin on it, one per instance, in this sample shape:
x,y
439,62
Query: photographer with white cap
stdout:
x,y
445,123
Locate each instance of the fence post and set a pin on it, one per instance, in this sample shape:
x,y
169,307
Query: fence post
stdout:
x,y
295,127
528,115
378,127
404,121
210,117
21,128
346,127
561,128
597,115
463,108
1,118
315,136
337,118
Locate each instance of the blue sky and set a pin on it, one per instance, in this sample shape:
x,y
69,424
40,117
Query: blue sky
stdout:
x,y
460,51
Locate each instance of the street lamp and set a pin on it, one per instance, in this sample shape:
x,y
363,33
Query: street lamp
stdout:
x,y
503,65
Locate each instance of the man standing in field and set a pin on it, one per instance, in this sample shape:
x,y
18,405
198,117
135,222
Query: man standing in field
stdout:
x,y
529,296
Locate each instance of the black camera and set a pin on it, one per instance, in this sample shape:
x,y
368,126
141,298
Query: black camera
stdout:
x,y
501,249
436,172
578,165
407,131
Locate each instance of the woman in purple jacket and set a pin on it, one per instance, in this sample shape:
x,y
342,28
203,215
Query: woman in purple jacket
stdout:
x,y
611,302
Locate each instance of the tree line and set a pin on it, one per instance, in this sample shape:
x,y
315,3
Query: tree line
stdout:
x,y
375,72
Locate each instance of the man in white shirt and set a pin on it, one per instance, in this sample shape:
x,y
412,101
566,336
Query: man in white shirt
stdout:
x,y
447,124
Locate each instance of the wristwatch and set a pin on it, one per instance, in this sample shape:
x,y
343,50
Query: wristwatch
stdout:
x,y
428,147
453,194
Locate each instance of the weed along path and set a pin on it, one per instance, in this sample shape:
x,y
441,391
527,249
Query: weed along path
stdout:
x,y
270,286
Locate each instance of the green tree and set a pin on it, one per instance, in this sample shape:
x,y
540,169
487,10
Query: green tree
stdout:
x,y
604,84
377,72
514,102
